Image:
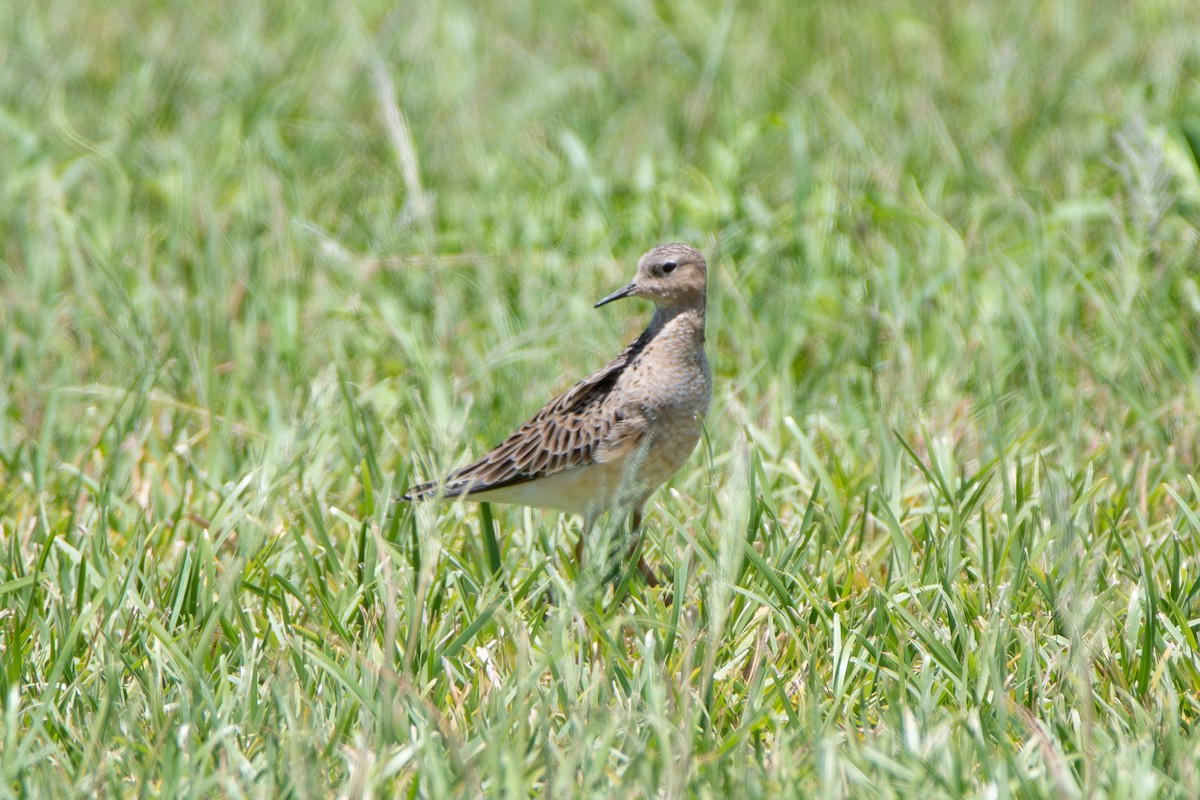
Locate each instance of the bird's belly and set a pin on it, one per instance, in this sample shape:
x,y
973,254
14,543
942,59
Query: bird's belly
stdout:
x,y
581,490
598,487
672,445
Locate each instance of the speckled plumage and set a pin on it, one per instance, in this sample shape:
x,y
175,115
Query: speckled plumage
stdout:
x,y
613,438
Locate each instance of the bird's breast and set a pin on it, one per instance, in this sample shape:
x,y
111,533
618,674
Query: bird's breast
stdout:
x,y
673,394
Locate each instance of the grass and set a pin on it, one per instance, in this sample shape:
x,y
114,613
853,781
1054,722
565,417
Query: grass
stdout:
x,y
261,267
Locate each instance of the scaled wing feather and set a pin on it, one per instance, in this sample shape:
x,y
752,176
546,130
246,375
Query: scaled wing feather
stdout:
x,y
574,429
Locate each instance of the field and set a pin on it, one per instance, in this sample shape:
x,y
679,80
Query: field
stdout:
x,y
264,265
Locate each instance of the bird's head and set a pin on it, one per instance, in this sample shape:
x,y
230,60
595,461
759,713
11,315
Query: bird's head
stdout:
x,y
670,275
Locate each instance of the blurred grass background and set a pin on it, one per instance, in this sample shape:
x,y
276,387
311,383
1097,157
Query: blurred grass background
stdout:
x,y
262,264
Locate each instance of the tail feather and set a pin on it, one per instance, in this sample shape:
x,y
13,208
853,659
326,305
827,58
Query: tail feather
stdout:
x,y
451,486
458,484
420,491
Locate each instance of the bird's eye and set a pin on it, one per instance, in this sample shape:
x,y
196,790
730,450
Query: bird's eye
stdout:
x,y
669,267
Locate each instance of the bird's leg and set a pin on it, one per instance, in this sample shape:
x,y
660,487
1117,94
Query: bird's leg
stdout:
x,y
588,521
635,530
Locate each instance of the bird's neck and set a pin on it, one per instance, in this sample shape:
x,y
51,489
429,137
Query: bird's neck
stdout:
x,y
679,321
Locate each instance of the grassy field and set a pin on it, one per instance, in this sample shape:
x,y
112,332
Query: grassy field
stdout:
x,y
262,265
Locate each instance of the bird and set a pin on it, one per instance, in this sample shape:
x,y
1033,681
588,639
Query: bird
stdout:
x,y
610,440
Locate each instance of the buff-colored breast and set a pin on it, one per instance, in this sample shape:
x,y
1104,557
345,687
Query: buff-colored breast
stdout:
x,y
672,384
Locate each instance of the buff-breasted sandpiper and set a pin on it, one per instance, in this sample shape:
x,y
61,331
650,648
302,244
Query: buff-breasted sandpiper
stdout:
x,y
614,437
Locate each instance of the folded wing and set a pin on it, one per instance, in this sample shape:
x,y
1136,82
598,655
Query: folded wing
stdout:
x,y
576,428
